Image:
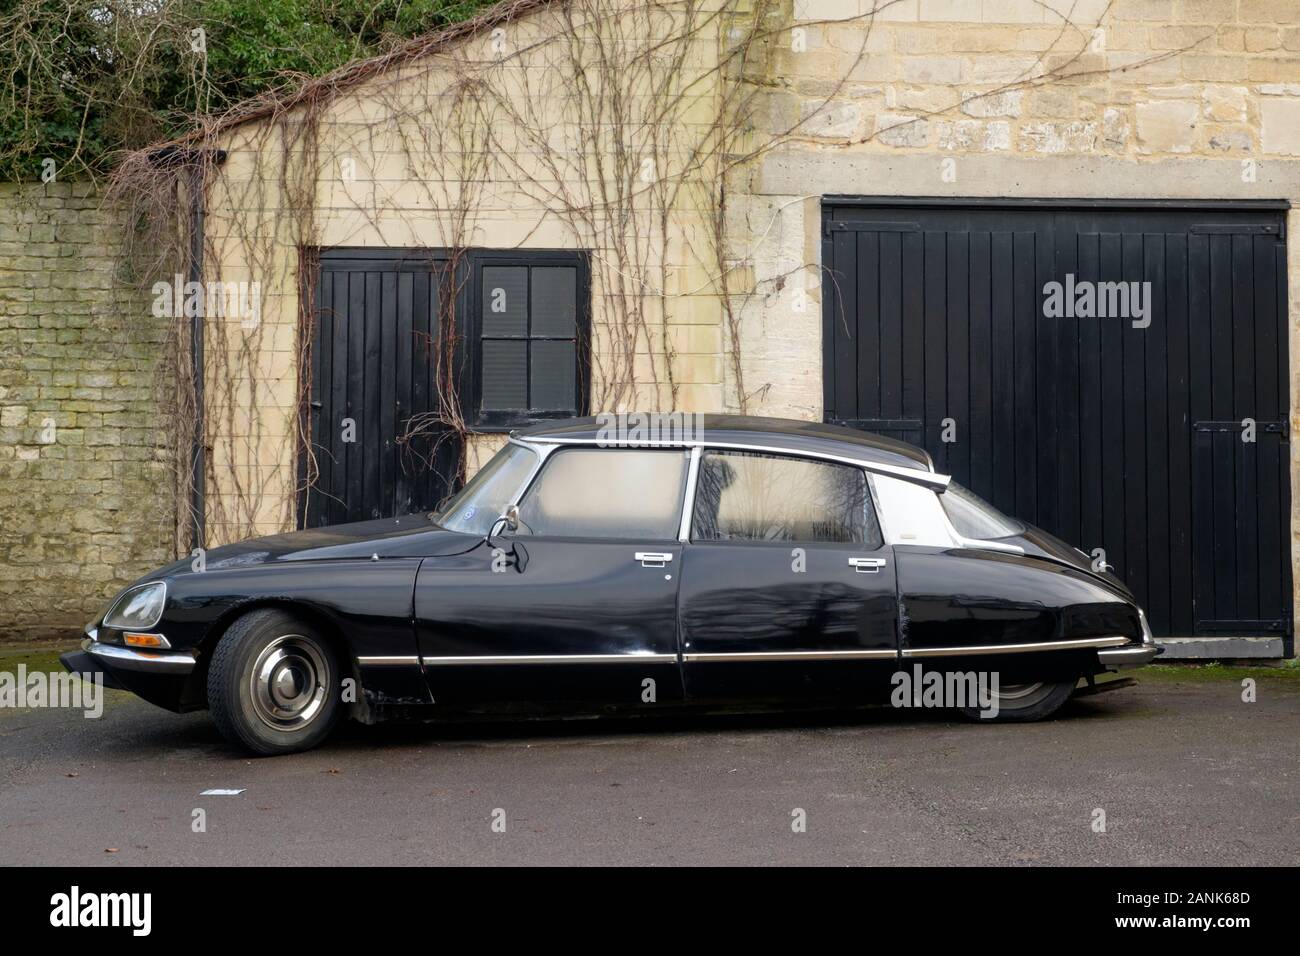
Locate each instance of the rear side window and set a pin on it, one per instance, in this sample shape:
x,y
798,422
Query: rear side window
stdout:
x,y
749,496
973,517
606,493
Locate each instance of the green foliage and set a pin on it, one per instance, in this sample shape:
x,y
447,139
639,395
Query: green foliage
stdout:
x,y
82,79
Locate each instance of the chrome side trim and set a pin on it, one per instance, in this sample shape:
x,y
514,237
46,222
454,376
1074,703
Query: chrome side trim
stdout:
x,y
129,659
1129,656
1075,644
402,661
688,501
918,475
552,659
715,656
705,657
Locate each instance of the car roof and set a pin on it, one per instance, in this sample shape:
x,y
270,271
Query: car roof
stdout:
x,y
785,434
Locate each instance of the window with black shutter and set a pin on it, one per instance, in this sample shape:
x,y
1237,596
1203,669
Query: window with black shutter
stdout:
x,y
530,330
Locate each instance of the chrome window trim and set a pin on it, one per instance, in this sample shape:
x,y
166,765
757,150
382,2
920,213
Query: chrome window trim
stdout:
x,y
916,475
967,651
632,658
129,659
688,500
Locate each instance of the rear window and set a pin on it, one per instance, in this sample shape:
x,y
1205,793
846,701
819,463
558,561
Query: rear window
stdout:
x,y
973,517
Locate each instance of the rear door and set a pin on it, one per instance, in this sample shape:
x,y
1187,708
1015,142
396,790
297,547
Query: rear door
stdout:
x,y
787,587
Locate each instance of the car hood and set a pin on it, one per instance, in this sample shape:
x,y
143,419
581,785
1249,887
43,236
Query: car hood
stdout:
x,y
1040,543
409,536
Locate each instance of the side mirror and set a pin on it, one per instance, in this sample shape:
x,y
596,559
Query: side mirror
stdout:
x,y
509,521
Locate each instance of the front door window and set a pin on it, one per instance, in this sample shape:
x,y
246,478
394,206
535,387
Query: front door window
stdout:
x,y
618,494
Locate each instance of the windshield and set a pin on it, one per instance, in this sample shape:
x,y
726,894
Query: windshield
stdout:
x,y
973,517
489,492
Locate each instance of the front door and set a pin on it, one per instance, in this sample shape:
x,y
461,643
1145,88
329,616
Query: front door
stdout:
x,y
578,604
787,587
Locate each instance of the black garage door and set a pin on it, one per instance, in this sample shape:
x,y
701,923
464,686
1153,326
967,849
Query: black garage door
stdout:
x,y
1109,435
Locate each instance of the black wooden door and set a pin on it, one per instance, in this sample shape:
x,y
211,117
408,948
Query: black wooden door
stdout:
x,y
1111,436
372,411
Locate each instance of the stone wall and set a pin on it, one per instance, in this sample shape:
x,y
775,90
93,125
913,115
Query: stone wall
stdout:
x,y
1144,99
85,500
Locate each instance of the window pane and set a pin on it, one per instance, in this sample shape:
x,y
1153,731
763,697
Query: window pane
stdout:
x,y
505,375
492,488
505,300
752,497
555,301
606,493
973,517
553,383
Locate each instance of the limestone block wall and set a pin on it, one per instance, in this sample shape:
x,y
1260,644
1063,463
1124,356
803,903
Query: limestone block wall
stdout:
x,y
85,485
1013,98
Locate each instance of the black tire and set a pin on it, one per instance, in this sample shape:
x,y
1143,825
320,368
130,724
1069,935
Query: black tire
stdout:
x,y
1022,703
273,684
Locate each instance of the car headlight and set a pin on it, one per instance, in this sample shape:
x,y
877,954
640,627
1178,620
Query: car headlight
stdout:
x,y
137,608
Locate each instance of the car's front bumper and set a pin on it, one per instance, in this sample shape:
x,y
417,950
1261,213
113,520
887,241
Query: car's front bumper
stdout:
x,y
147,662
160,677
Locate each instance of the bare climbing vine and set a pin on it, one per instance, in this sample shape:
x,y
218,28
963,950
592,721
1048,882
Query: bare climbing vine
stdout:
x,y
621,129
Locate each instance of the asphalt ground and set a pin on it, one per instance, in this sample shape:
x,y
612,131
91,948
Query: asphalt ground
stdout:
x,y
1184,771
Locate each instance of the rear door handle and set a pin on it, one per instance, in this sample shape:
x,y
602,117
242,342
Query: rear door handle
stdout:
x,y
653,559
867,565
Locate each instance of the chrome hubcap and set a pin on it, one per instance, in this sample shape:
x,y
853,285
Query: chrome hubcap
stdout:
x,y
288,682
1018,691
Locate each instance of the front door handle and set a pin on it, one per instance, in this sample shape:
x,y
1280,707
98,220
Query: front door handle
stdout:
x,y
653,559
867,565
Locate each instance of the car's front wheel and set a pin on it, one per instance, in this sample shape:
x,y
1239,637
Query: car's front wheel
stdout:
x,y
1024,702
273,684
